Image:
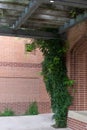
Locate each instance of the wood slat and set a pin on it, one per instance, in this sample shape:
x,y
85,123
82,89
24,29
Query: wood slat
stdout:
x,y
17,2
54,7
77,1
52,12
26,33
52,22
11,7
38,26
71,3
33,5
49,17
33,23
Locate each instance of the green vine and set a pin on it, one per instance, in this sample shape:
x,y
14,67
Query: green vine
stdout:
x,y
55,77
74,12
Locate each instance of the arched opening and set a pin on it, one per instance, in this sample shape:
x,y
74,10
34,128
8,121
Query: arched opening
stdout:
x,y
78,72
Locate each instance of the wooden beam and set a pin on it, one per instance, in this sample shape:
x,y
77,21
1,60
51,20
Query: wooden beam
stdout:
x,y
5,31
16,2
50,17
33,5
78,2
73,22
11,7
52,22
71,3
39,25
32,22
52,12
57,7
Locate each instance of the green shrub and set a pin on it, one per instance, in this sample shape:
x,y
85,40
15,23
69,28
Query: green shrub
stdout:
x,y
7,112
33,109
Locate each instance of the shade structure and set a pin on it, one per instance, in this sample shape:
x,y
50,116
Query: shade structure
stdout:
x,y
35,17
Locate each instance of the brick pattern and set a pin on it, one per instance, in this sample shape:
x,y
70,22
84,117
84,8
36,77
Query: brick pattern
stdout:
x,y
78,73
76,125
13,50
22,90
16,64
76,64
20,79
20,107
76,33
77,70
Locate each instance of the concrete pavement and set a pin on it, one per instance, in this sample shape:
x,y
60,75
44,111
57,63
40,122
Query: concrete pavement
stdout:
x,y
39,122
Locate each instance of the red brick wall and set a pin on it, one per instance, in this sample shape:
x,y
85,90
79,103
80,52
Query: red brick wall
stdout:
x,y
77,70
77,65
20,79
76,125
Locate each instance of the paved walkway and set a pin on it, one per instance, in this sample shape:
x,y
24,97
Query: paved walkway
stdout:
x,y
40,122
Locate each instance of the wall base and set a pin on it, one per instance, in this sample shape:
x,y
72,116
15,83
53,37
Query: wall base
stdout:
x,y
20,107
77,120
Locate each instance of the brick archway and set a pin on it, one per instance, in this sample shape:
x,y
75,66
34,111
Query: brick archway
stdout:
x,y
78,72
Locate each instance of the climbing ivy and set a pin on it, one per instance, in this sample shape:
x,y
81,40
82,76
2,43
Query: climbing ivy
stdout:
x,y
55,77
74,12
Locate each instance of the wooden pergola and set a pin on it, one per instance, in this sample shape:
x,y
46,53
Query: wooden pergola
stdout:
x,y
31,18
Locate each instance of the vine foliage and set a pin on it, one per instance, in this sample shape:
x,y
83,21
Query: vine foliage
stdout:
x,y
55,77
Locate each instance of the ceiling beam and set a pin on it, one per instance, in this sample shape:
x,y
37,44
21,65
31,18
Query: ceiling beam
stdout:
x,y
50,17
11,7
17,2
5,31
33,5
71,3
52,12
73,22
38,21
39,25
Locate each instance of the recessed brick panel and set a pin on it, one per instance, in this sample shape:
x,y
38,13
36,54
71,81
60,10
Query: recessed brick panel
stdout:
x,y
20,80
77,70
77,65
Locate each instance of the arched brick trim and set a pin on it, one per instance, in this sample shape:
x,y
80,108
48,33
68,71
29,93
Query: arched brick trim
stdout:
x,y
78,72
